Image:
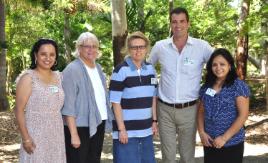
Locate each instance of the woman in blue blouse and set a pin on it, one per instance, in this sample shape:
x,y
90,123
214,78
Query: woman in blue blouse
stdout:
x,y
223,110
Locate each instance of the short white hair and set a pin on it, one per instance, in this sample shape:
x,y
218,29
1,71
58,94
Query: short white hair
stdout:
x,y
84,37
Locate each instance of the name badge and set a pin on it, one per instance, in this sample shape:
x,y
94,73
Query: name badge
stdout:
x,y
53,89
154,81
211,92
188,61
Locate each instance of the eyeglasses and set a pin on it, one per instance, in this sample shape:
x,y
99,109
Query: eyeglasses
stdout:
x,y
140,47
89,46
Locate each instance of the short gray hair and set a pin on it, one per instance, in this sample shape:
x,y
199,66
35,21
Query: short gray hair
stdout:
x,y
84,37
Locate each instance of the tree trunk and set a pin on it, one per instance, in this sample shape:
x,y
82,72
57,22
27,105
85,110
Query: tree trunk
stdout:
x,y
141,17
67,38
266,73
119,29
171,5
3,68
242,41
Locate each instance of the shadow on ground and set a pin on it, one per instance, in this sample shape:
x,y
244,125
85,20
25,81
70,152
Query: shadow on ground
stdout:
x,y
9,142
107,153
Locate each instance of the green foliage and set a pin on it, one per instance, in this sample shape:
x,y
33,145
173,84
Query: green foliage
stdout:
x,y
214,21
257,91
11,100
150,16
23,28
258,32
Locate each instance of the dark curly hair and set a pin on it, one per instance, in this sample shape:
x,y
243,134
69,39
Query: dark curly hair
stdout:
x,y
36,47
210,78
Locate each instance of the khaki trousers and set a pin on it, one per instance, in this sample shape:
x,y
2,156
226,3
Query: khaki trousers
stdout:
x,y
177,125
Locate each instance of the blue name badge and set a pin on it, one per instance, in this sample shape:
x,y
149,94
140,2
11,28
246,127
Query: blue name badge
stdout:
x,y
211,92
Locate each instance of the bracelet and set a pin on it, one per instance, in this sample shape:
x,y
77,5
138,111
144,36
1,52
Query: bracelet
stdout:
x,y
154,120
201,133
26,141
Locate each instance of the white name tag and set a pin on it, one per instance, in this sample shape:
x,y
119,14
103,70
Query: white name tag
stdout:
x,y
53,89
211,92
188,61
154,81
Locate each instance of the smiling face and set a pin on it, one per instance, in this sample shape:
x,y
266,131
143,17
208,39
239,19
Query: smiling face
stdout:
x,y
137,50
46,56
88,51
220,67
179,25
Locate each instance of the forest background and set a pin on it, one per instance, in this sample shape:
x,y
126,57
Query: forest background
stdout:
x,y
238,25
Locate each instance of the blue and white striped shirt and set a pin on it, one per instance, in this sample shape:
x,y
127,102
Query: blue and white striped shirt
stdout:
x,y
134,91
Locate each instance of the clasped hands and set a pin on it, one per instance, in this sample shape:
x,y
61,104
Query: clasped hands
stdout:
x,y
207,141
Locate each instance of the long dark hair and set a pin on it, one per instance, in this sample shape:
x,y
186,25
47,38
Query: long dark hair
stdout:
x,y
36,48
210,78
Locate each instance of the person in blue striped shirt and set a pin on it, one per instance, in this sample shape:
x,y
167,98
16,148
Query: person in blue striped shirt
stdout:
x,y
133,97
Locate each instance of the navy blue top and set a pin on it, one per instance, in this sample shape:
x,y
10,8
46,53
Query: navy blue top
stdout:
x,y
221,111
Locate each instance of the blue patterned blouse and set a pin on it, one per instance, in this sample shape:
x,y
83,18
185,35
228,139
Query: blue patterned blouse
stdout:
x,y
221,111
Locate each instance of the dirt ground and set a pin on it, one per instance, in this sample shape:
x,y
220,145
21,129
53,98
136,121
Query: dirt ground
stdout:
x,y
256,147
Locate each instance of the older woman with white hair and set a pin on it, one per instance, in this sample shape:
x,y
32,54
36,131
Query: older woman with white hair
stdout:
x,y
86,107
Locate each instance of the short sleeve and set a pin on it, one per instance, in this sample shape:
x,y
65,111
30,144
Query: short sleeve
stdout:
x,y
202,92
155,77
30,72
242,88
117,85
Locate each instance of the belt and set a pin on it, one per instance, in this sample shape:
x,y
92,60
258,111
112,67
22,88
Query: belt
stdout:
x,y
179,105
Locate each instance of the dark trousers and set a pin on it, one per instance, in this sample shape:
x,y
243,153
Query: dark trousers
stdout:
x,y
90,148
232,154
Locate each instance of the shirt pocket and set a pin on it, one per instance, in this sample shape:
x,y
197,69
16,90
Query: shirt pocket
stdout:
x,y
191,68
